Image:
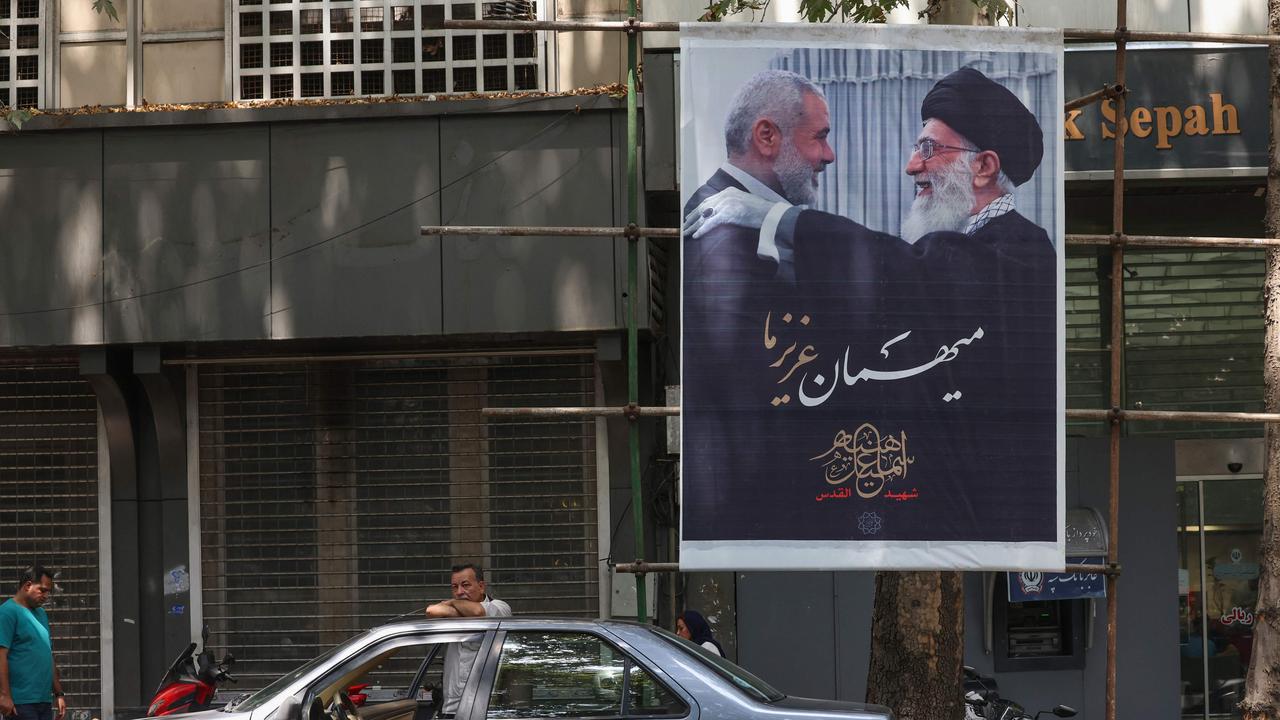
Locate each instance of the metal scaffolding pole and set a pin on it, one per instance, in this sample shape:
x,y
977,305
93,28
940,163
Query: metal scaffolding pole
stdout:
x,y
1117,358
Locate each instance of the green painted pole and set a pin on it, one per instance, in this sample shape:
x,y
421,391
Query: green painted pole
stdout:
x,y
633,312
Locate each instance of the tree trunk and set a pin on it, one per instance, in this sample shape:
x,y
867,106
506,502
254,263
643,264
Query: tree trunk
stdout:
x,y
917,644
1262,695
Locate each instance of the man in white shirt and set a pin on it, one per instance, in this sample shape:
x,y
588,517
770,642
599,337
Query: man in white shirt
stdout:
x,y
469,600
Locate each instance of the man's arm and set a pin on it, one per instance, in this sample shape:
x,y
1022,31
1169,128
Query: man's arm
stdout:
x,y
59,702
456,608
6,697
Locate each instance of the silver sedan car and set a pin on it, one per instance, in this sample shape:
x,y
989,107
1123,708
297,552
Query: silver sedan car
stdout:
x,y
470,669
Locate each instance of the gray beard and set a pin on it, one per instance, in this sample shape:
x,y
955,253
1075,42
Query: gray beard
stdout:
x,y
947,208
795,175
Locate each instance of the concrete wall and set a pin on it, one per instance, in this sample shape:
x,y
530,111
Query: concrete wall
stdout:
x,y
826,617
299,229
1147,644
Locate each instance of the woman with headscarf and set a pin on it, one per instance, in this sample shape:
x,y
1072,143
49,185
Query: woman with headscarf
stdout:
x,y
693,627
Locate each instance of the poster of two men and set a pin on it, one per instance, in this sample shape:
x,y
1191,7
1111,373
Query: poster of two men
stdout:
x,y
872,359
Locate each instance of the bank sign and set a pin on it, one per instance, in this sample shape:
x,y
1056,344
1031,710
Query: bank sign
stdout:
x,y
1188,109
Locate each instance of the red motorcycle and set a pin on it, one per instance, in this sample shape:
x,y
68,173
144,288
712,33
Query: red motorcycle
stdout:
x,y
191,681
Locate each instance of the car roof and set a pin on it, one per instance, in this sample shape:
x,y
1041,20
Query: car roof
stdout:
x,y
489,623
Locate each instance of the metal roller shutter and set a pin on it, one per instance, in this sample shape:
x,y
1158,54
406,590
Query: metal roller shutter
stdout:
x,y
49,509
336,495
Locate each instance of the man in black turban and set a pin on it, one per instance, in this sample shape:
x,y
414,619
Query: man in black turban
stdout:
x,y
977,144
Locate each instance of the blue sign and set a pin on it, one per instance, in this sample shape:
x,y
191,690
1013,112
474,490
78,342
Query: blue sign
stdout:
x,y
1029,586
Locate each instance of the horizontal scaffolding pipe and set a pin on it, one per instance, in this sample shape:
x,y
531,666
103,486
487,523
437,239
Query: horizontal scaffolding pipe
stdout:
x,y
1155,241
1107,92
633,25
580,412
1173,416
548,230
1073,414
1153,36
629,25
1173,241
641,567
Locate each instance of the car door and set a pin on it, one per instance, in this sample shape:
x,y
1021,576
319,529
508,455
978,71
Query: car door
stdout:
x,y
570,674
401,678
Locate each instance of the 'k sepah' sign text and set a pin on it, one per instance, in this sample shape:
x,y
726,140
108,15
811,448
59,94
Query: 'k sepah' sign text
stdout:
x,y
1164,123
1187,108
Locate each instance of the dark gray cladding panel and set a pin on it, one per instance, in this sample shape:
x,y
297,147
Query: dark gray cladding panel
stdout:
x,y
348,199
50,239
186,243
534,169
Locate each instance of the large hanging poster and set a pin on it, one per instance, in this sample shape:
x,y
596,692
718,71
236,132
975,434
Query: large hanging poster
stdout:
x,y
873,324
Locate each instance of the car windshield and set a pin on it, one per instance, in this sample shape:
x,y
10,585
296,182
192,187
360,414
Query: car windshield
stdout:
x,y
260,698
741,679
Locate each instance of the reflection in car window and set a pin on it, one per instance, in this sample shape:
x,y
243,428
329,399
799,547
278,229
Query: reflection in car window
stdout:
x,y
562,675
388,671
753,686
648,697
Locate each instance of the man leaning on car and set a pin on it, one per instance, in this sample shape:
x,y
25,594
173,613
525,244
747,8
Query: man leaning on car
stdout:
x,y
469,600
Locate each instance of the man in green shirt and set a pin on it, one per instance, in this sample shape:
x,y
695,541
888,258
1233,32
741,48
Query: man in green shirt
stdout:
x,y
28,676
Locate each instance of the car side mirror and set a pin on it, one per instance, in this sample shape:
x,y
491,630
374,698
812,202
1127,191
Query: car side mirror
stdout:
x,y
291,708
1064,711
316,711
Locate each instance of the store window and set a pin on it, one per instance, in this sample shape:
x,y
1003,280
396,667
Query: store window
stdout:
x,y
348,48
21,59
1220,529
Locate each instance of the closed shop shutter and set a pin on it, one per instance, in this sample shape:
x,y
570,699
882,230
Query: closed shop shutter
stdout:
x,y
49,509
335,495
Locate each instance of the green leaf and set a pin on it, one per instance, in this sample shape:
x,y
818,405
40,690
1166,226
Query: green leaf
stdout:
x,y
107,6
17,116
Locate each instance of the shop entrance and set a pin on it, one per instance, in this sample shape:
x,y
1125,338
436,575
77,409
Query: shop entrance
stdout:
x,y
1219,530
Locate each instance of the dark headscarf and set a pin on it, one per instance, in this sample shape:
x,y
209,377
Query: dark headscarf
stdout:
x,y
699,630
989,116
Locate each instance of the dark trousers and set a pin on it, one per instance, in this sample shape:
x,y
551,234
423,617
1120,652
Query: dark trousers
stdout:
x,y
34,711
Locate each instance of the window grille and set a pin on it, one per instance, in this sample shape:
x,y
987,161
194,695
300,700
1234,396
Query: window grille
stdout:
x,y
336,495
21,58
345,48
49,509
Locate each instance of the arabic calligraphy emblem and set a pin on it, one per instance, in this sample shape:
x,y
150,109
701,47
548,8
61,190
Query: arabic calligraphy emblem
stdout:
x,y
870,458
870,523
1031,582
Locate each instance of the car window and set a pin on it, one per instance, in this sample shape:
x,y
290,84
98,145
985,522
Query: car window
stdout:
x,y
388,677
746,682
382,682
260,698
574,675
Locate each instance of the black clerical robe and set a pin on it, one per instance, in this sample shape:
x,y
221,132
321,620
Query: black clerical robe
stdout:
x,y
920,379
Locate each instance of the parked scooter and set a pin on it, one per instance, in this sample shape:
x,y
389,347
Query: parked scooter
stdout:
x,y
982,701
191,681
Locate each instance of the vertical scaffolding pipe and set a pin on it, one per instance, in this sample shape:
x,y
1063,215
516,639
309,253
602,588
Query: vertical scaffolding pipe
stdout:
x,y
633,311
1117,350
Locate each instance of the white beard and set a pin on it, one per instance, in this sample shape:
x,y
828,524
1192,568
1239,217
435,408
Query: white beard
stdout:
x,y
798,178
946,208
